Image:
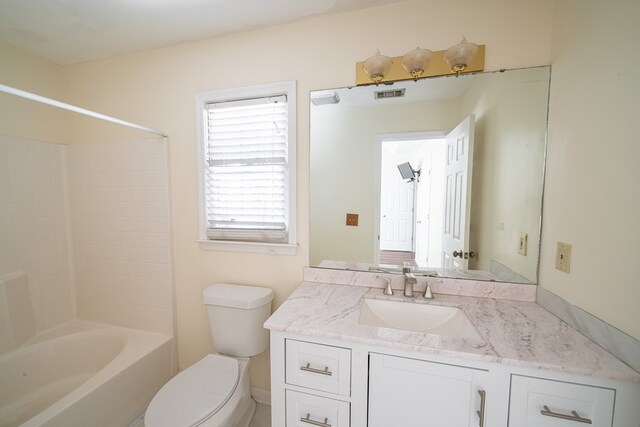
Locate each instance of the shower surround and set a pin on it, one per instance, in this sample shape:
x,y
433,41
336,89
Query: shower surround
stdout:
x,y
88,226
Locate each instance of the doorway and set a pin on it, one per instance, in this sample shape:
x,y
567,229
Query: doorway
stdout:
x,y
410,209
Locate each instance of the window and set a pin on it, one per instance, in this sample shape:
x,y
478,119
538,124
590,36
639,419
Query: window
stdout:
x,y
246,141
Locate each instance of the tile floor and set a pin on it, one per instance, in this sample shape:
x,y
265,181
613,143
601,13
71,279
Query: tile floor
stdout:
x,y
262,416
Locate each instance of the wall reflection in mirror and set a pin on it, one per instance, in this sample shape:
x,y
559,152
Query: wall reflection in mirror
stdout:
x,y
444,173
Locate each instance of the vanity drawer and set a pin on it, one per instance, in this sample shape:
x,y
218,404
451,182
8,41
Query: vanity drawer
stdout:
x,y
537,402
306,410
319,367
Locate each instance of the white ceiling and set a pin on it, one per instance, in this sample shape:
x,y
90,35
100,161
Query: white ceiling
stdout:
x,y
71,31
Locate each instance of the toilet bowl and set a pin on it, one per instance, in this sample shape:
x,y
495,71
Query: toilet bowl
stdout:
x,y
215,392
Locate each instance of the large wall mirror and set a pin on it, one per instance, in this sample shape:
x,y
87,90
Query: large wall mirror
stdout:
x,y
444,173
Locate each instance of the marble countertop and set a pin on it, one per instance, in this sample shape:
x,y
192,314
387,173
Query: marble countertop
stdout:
x,y
517,333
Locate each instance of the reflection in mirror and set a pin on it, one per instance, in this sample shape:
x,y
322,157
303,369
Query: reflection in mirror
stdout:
x,y
444,173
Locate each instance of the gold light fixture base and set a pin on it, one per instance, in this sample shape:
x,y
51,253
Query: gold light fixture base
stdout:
x,y
437,67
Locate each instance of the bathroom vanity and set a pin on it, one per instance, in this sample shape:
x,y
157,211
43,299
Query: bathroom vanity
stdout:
x,y
332,365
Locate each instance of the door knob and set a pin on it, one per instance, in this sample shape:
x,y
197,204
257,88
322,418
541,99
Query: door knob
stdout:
x,y
457,254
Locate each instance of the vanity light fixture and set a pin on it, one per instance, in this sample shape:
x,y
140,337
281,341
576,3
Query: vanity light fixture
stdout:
x,y
464,57
416,61
458,57
377,67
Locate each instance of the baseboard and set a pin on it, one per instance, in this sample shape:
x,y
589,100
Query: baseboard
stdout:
x,y
261,395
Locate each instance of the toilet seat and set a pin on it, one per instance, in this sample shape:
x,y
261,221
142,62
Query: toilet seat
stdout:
x,y
195,394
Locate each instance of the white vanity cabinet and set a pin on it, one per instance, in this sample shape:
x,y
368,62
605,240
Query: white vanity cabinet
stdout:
x,y
411,393
331,383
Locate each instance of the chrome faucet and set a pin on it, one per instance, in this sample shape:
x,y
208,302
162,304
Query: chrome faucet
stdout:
x,y
409,279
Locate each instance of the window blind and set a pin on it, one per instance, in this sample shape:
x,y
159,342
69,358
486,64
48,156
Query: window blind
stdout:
x,y
246,170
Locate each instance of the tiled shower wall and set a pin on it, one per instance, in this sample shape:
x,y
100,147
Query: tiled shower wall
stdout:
x,y
121,233
117,216
33,237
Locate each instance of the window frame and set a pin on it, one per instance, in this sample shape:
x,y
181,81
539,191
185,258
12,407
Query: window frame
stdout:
x,y
287,88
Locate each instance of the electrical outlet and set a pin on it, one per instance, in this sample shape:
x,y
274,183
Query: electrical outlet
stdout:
x,y
563,257
352,219
524,242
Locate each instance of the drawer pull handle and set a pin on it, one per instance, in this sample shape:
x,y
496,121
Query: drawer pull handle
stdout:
x,y
483,398
314,422
575,417
308,368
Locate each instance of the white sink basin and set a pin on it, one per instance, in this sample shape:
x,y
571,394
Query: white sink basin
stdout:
x,y
407,316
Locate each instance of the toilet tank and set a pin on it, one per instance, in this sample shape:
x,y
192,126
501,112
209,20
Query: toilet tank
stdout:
x,y
236,315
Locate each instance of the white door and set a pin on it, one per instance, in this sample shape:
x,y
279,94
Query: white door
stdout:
x,y
415,393
457,195
396,213
423,213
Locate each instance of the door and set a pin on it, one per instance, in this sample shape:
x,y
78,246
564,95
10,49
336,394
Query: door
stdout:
x,y
396,209
423,213
457,193
415,393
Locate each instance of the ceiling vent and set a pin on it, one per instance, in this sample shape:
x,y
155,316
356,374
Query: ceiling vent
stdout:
x,y
384,94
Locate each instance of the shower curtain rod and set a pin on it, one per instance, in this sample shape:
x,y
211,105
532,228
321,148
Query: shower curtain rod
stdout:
x,y
32,96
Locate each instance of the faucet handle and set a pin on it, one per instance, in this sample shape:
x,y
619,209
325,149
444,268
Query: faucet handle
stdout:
x,y
427,291
387,289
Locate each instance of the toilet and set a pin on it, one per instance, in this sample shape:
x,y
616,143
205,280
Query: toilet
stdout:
x,y
215,392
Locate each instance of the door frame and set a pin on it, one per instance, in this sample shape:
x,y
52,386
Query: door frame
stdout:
x,y
377,186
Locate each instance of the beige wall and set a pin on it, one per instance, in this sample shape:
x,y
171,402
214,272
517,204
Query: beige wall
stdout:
x,y
28,119
156,88
592,198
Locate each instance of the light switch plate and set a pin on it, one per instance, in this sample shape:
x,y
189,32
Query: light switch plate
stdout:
x,y
524,242
563,257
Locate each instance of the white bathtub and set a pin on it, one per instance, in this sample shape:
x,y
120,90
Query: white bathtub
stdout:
x,y
83,374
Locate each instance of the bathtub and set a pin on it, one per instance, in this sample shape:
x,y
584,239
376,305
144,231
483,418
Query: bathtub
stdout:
x,y
83,374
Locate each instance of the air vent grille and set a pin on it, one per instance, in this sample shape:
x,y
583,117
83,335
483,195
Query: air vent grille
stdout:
x,y
384,94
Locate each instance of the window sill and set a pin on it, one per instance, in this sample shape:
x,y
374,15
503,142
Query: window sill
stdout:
x,y
250,247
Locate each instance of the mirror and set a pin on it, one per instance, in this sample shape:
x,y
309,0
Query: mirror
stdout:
x,y
445,173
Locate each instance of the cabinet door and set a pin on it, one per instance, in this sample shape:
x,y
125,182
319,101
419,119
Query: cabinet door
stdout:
x,y
408,392
537,402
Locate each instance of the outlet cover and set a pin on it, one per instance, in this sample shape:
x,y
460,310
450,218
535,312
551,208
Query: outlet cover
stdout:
x,y
352,219
524,242
563,257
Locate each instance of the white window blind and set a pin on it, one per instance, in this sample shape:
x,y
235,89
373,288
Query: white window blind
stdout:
x,y
246,170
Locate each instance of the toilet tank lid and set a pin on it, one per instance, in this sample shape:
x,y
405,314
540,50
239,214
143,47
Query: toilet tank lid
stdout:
x,y
237,296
